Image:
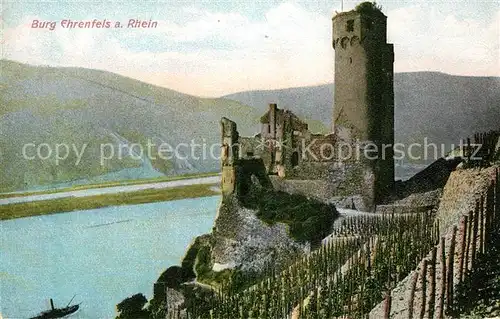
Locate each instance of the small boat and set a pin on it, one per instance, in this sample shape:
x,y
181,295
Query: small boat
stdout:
x,y
57,312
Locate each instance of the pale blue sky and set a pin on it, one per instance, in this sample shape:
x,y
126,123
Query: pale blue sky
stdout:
x,y
212,48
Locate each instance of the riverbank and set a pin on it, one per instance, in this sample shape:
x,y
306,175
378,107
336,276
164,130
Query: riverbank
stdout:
x,y
109,184
67,204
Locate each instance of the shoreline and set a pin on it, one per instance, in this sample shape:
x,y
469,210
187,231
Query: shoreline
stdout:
x,y
107,184
68,204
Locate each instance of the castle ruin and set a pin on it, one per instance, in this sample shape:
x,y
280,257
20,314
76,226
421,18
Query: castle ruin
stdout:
x,y
286,156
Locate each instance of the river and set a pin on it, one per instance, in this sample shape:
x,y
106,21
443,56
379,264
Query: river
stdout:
x,y
102,255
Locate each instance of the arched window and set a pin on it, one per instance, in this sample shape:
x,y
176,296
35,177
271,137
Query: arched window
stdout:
x,y
354,40
344,42
225,152
350,26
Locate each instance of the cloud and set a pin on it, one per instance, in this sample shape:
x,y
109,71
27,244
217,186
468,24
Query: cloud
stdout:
x,y
290,48
448,44
215,53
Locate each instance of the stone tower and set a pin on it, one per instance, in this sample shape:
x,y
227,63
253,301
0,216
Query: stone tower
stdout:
x,y
364,98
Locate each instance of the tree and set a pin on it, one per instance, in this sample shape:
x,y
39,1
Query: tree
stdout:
x,y
132,308
368,7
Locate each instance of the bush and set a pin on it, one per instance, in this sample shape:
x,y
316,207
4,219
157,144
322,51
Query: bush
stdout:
x,y
202,263
132,308
175,275
368,7
308,219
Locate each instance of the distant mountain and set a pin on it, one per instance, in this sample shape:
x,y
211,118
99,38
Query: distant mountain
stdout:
x,y
77,106
441,107
316,101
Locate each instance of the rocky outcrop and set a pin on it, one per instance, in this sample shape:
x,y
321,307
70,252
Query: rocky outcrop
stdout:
x,y
434,176
421,192
413,203
242,240
464,187
244,244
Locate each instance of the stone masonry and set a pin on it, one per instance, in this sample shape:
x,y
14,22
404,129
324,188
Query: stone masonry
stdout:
x,y
363,114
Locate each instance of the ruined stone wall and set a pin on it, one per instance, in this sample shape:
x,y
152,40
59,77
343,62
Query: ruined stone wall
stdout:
x,y
318,148
229,155
343,184
251,147
251,173
311,171
354,181
312,188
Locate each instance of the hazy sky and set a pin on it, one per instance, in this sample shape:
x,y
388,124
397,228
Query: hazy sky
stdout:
x,y
212,48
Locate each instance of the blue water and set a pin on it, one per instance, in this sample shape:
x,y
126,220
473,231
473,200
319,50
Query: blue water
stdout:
x,y
101,255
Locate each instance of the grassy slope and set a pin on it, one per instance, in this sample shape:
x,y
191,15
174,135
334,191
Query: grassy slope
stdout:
x,y
77,106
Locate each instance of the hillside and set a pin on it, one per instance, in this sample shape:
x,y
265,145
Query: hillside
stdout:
x,y
435,105
79,107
